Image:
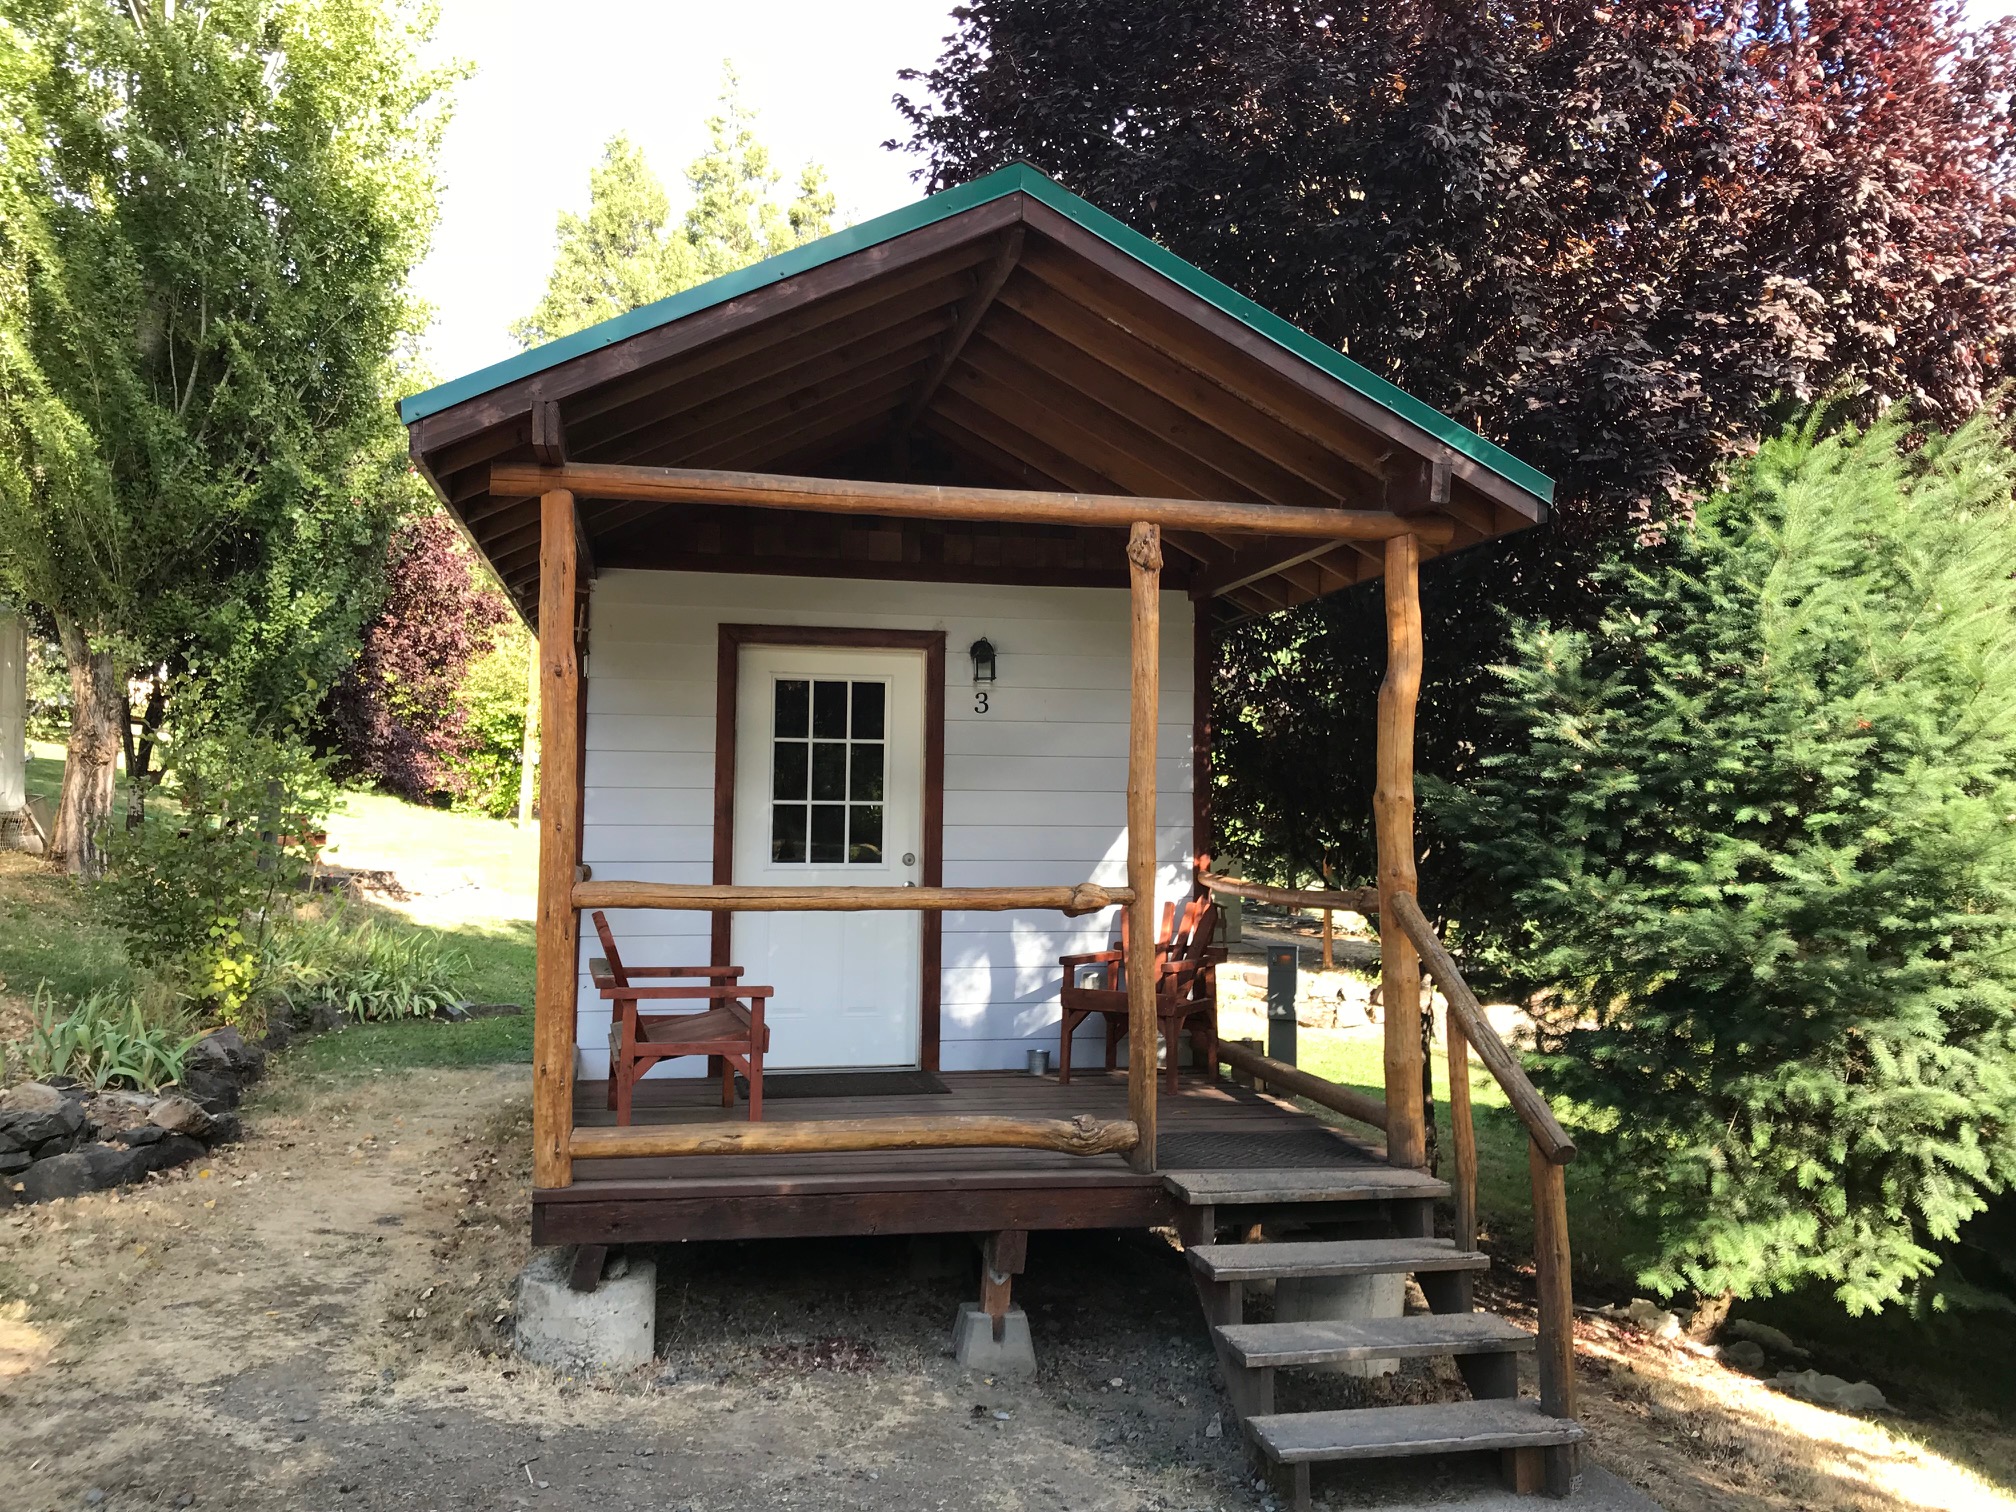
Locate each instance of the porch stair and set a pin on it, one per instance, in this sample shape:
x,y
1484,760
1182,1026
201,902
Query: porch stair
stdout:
x,y
1485,1347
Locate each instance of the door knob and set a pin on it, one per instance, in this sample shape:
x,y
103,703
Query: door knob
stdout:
x,y
909,858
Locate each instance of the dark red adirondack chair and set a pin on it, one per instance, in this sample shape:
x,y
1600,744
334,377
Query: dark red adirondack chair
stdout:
x,y
730,1032
1186,989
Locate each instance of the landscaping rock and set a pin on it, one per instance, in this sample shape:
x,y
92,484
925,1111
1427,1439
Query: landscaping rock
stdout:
x,y
225,1051
114,1165
67,1175
1765,1335
48,1132
1648,1316
173,1150
225,1128
1744,1354
1831,1391
212,1091
140,1134
178,1115
31,1097
12,1161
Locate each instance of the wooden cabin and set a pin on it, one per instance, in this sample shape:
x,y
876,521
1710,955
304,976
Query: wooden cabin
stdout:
x,y
957,498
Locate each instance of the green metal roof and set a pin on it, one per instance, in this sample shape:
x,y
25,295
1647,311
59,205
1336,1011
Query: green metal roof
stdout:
x,y
1016,178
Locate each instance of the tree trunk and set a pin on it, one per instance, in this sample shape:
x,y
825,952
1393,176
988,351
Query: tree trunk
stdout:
x,y
91,760
140,744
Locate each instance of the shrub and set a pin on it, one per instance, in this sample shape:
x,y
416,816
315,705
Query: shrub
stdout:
x,y
1759,826
193,892
109,1038
485,771
394,718
368,969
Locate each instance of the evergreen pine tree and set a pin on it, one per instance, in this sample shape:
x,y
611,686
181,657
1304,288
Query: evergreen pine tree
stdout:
x,y
1759,827
626,251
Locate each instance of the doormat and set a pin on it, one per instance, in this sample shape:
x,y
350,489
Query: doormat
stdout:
x,y
845,1084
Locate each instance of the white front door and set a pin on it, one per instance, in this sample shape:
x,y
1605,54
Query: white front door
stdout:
x,y
829,792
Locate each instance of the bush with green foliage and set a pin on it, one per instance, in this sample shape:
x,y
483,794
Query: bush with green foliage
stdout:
x,y
492,700
194,891
1759,829
109,1038
369,969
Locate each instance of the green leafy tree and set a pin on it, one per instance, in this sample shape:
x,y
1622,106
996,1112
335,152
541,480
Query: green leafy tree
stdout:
x,y
222,205
1758,826
627,251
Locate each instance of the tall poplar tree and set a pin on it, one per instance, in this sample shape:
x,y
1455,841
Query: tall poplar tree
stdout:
x,y
228,199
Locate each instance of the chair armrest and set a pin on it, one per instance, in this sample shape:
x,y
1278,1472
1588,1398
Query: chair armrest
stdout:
x,y
1097,958
728,973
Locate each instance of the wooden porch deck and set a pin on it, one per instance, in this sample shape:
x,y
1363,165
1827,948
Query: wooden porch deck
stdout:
x,y
1206,1126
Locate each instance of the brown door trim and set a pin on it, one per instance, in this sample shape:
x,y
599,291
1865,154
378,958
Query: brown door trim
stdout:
x,y
727,677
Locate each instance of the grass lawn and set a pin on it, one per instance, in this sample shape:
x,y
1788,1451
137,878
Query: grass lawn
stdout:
x,y
472,882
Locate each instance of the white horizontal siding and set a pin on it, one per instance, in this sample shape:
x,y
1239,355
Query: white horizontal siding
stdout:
x,y
1035,789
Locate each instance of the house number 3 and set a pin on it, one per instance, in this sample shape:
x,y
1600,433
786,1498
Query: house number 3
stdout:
x,y
980,702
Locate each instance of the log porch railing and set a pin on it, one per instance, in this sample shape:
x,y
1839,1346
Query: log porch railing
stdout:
x,y
1548,1146
564,890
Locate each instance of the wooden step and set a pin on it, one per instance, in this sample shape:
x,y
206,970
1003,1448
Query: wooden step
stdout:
x,y
1332,1257
1347,1183
1410,1338
1304,1438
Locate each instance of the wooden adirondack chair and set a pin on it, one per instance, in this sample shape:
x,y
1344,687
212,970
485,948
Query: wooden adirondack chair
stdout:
x,y
730,1033
1186,987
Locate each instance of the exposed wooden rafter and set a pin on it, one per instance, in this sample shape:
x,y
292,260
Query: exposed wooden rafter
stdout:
x,y
970,315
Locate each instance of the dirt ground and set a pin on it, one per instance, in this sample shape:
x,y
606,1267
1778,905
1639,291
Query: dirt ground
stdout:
x,y
317,1320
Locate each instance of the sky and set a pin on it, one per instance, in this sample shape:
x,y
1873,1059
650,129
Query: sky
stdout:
x,y
554,81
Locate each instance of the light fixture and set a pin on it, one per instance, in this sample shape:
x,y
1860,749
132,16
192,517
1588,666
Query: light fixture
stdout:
x,y
983,660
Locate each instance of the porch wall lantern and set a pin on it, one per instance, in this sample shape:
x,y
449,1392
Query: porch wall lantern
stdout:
x,y
982,652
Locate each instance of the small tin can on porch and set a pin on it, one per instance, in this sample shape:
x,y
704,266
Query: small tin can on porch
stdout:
x,y
1039,1062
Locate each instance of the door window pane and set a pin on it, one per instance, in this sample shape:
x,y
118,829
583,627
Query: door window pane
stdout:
x,y
829,710
787,832
865,781
828,761
829,829
864,832
792,694
787,770
868,700
829,769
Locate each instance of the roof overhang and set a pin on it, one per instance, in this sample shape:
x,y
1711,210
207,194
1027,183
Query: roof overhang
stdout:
x,y
1001,334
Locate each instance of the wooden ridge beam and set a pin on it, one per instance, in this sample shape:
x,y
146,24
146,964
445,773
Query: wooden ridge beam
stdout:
x,y
673,485
1083,1135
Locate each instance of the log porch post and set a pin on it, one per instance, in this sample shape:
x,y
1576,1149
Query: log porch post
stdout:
x,y
559,846
1144,576
1393,813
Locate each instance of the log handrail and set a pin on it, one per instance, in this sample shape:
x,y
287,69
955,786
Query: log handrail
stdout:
x,y
1364,900
1324,1093
1468,1014
1548,1150
1083,1135
1083,898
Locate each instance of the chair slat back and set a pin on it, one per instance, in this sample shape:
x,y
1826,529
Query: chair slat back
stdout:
x,y
601,921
